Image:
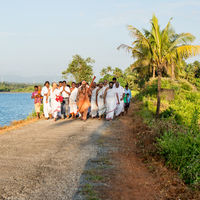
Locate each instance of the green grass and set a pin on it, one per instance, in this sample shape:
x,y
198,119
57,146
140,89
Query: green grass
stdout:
x,y
179,139
89,192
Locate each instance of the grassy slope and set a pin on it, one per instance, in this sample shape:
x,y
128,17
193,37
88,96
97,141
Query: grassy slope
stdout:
x,y
179,138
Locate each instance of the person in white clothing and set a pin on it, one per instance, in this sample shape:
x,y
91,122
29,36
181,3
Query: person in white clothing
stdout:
x,y
110,100
100,100
121,93
72,100
46,100
65,93
94,107
105,85
55,101
114,82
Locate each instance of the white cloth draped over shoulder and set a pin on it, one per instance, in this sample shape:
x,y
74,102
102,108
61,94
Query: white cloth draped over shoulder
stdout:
x,y
120,107
55,105
110,103
104,88
100,101
46,104
94,107
72,101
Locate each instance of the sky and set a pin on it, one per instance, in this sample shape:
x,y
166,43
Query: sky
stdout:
x,y
39,37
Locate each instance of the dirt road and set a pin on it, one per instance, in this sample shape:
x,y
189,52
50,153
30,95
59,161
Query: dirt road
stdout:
x,y
93,160
45,159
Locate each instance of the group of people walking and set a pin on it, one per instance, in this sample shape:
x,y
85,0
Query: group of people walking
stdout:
x,y
102,100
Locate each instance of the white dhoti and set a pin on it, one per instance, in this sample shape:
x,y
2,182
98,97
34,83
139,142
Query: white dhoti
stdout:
x,y
120,107
55,108
46,105
110,103
55,105
72,101
100,100
94,107
46,109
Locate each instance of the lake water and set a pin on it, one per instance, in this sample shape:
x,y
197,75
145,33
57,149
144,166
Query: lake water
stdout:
x,y
14,106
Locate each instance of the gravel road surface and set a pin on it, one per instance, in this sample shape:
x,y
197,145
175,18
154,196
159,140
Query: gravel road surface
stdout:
x,y
44,160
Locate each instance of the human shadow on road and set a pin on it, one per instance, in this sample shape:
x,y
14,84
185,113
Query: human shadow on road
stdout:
x,y
62,122
91,176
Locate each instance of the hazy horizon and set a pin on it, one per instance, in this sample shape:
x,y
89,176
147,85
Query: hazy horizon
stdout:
x,y
39,38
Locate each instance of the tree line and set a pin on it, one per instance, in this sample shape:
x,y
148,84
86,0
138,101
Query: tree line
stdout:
x,y
157,52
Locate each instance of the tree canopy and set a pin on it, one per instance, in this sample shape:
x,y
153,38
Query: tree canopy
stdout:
x,y
159,51
80,69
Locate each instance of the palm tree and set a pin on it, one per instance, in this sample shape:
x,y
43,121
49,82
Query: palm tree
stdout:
x,y
161,48
165,47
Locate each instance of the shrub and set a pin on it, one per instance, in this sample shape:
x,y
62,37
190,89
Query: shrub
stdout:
x,y
182,152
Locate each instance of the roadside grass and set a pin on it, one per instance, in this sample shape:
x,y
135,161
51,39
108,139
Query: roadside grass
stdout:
x,y
176,134
89,192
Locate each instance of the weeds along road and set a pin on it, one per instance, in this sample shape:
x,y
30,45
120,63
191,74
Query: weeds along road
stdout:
x,y
45,159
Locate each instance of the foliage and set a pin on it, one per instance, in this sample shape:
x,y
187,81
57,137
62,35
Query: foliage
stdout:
x,y
80,69
191,72
123,77
16,87
182,152
178,139
159,50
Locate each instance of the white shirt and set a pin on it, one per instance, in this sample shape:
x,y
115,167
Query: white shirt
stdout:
x,y
43,92
64,94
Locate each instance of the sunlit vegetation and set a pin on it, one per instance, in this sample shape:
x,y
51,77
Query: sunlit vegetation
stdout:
x,y
169,90
16,87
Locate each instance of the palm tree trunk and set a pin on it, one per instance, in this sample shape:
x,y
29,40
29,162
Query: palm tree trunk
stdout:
x,y
154,71
173,72
158,92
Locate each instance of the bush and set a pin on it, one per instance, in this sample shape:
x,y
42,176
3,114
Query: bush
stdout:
x,y
178,129
182,152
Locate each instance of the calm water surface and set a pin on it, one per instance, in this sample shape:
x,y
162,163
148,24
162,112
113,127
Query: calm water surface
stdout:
x,y
14,106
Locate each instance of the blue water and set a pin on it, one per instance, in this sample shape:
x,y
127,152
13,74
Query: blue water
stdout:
x,y
14,106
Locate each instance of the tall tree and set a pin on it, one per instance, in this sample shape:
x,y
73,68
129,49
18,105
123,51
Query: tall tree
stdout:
x,y
80,68
162,46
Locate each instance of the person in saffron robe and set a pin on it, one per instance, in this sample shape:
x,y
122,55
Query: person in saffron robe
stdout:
x,y
72,100
94,107
100,100
110,100
55,101
83,100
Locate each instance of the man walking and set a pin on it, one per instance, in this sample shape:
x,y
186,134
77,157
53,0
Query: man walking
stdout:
x,y
65,93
